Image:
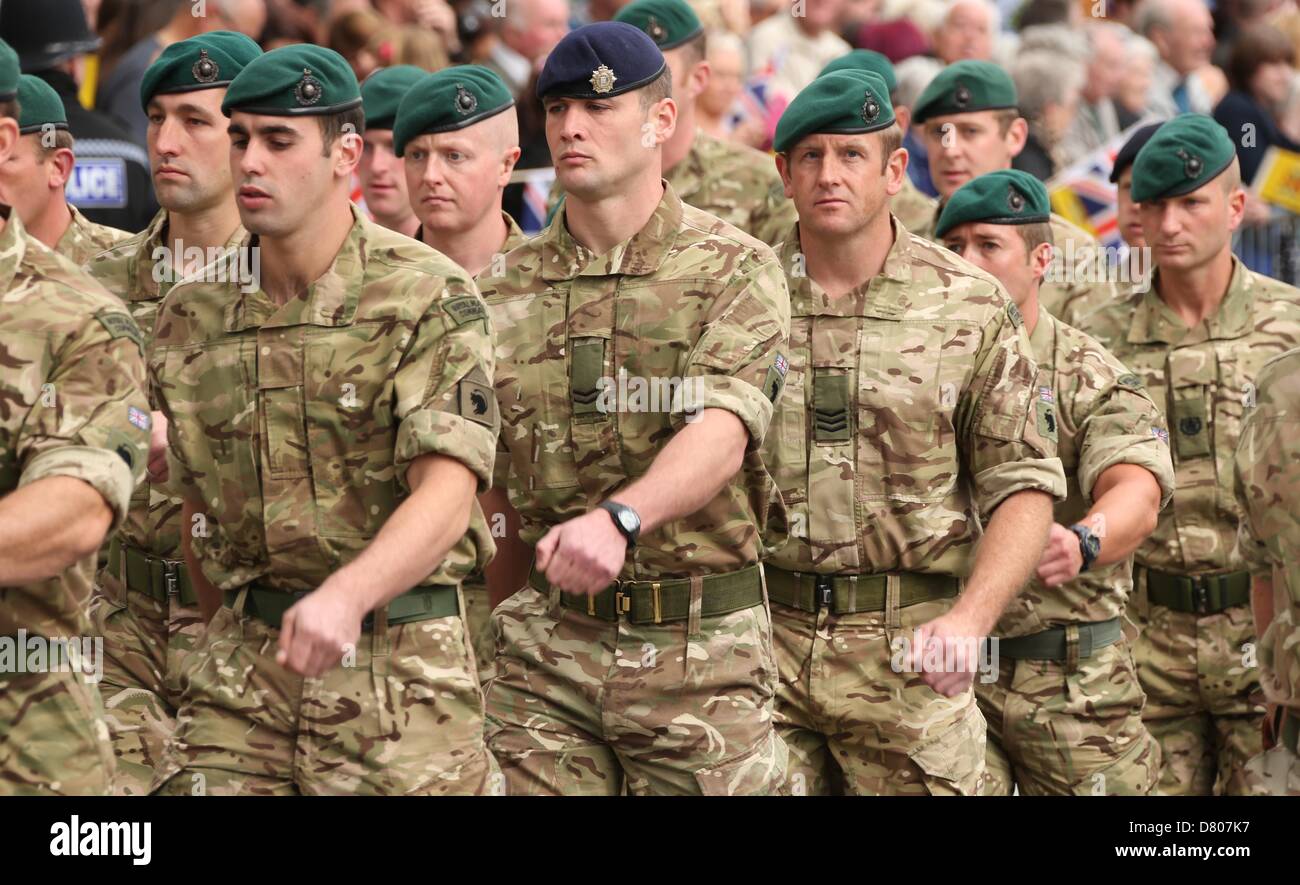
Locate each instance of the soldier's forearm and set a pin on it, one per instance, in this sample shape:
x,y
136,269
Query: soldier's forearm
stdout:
x,y
47,526
209,596
1261,602
1125,510
697,462
1005,557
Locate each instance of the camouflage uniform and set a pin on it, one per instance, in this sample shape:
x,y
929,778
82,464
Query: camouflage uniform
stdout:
x,y
884,450
84,239
586,704
912,208
1268,492
1196,659
73,386
1061,726
143,604
294,425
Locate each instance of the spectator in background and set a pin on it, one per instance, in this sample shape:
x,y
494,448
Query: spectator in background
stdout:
x,y
914,74
793,49
1183,34
527,36
1140,58
715,108
966,31
413,45
896,40
1097,121
354,36
1048,84
1260,71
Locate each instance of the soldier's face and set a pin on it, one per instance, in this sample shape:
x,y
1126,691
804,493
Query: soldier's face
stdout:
x,y
840,183
31,181
456,178
1000,250
283,173
598,144
188,150
1188,232
1130,220
965,146
383,181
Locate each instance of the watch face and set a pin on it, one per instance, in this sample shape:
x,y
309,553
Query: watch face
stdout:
x,y
628,520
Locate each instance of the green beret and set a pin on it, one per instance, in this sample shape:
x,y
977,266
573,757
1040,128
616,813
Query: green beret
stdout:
x,y
292,81
8,72
39,106
383,91
209,61
841,102
865,60
1007,196
965,87
669,23
1184,154
447,100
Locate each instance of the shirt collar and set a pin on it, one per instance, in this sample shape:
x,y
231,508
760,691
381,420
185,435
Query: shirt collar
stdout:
x,y
563,258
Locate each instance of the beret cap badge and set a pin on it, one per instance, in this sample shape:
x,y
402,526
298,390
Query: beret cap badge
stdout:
x,y
961,96
870,108
466,101
205,70
602,80
1192,165
308,91
1015,199
654,30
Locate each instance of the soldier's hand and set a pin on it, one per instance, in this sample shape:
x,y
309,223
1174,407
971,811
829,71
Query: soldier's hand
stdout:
x,y
1061,559
583,555
157,466
316,631
960,641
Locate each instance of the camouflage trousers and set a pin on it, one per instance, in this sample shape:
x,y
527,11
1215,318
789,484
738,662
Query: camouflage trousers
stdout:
x,y
145,645
583,706
1056,732
478,622
403,716
1204,703
854,725
53,740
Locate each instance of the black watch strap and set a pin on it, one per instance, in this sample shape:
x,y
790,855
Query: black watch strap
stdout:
x,y
1089,545
625,519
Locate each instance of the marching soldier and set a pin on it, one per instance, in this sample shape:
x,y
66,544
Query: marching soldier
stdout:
x,y
34,180
144,605
383,183
1065,713
639,348
330,427
458,136
73,442
906,413
1197,339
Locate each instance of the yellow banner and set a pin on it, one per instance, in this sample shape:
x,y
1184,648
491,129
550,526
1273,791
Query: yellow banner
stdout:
x,y
1278,179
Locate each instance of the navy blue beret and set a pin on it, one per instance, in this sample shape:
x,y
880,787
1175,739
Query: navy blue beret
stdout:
x,y
1128,153
600,60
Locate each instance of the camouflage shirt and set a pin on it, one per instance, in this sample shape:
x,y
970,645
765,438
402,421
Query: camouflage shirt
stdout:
x,y
913,208
1103,417
908,408
84,239
72,403
1202,378
1268,492
293,424
687,312
127,270
514,236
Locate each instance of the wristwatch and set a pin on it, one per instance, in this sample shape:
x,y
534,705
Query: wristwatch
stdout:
x,y
1089,545
625,520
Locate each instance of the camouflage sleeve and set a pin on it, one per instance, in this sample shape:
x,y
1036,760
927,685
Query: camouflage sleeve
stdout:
x,y
91,421
1009,430
445,401
775,218
1257,450
1120,425
739,363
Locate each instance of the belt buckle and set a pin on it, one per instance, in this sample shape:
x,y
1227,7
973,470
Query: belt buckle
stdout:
x,y
1201,594
622,600
171,577
824,588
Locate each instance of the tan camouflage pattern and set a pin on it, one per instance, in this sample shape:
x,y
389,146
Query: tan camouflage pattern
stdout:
x,y
1057,732
84,239
854,726
1203,699
584,707
913,209
686,297
73,371
1103,418
404,718
902,494
1268,492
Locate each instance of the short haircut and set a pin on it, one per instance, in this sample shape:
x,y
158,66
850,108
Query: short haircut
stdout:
x,y
657,90
1231,177
1034,235
696,49
63,140
890,140
1005,117
9,108
334,125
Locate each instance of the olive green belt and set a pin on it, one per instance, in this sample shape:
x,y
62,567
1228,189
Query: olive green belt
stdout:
x,y
848,594
151,575
420,604
659,602
1054,644
1198,594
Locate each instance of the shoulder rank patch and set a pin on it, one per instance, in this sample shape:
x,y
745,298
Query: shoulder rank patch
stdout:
x,y
465,309
1129,381
120,325
1013,313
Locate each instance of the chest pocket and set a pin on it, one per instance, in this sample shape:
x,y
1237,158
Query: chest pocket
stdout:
x,y
594,389
1192,376
832,467
279,387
